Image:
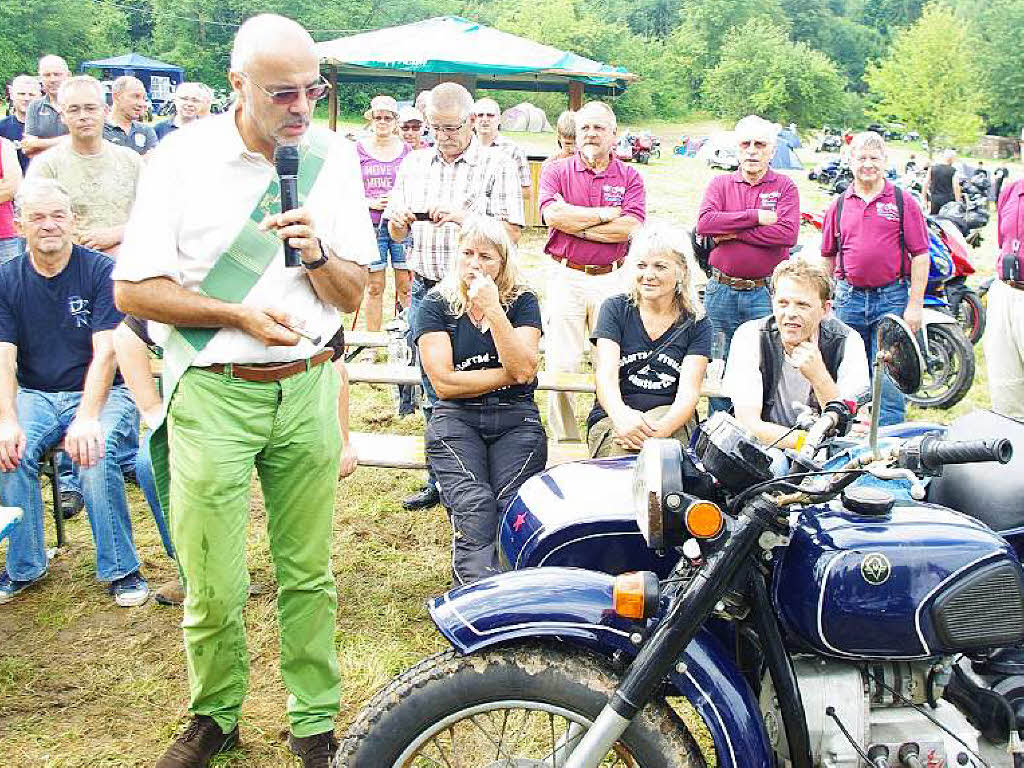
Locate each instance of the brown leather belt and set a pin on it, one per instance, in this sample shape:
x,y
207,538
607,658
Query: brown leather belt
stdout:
x,y
270,371
739,283
1015,284
591,269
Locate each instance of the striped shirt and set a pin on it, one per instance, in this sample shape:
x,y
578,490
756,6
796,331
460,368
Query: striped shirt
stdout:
x,y
518,156
481,180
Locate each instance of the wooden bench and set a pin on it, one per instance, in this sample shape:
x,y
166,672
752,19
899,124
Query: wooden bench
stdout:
x,y
408,452
386,373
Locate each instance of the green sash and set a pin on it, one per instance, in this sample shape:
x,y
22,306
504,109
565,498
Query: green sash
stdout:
x,y
230,279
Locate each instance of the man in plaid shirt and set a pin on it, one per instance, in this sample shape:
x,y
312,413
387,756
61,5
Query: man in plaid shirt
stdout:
x,y
435,190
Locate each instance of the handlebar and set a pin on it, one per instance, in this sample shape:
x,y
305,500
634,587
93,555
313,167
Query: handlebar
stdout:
x,y
937,452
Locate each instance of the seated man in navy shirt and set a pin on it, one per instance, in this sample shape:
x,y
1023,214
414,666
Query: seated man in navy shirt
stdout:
x,y
57,381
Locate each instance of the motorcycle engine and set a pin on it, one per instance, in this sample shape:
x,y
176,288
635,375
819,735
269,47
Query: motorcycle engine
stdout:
x,y
862,699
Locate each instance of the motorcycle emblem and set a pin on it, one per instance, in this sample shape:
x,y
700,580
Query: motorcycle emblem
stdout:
x,y
876,569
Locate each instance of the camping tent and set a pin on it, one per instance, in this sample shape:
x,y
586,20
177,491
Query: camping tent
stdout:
x,y
158,78
525,117
785,157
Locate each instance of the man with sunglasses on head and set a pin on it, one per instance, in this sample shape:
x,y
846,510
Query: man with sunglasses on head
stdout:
x,y
435,191
754,217
191,102
488,123
245,375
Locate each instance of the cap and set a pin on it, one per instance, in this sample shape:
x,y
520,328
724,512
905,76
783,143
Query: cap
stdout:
x,y
381,104
408,114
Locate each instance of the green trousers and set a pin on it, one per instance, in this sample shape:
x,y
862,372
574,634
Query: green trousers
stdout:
x,y
220,427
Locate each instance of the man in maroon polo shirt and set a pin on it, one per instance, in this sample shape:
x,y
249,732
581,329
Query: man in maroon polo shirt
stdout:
x,y
591,202
754,217
878,271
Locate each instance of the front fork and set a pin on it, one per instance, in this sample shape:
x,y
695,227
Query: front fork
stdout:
x,y
687,612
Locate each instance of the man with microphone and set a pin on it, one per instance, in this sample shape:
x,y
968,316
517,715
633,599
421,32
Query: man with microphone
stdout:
x,y
244,377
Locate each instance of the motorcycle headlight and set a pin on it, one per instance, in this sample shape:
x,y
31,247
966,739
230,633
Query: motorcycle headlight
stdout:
x,y
658,495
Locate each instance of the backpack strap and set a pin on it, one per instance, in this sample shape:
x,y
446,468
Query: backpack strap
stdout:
x,y
839,233
903,243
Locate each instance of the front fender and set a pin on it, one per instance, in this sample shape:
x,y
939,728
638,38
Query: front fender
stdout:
x,y
931,316
577,606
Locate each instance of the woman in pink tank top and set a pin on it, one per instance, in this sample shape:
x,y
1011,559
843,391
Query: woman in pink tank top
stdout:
x,y
10,179
380,154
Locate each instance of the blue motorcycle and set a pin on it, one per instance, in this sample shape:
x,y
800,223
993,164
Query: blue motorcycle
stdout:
x,y
718,605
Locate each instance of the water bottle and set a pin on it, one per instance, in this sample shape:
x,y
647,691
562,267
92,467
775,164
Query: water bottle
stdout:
x,y
716,367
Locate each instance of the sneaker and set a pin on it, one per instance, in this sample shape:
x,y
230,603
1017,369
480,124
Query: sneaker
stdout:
x,y
71,503
172,593
9,588
200,741
315,751
130,591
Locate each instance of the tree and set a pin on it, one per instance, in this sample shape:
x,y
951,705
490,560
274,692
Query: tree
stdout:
x,y
998,42
762,71
78,30
927,81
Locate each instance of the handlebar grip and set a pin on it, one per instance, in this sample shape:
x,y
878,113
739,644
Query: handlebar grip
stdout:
x,y
937,452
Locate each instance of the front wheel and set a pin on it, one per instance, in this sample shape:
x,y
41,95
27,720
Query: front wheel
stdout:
x,y
949,367
520,706
971,314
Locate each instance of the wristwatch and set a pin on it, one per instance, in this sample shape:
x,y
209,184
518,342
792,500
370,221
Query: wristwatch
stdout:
x,y
311,265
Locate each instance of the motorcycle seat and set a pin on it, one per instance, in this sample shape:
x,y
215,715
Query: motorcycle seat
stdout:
x,y
990,492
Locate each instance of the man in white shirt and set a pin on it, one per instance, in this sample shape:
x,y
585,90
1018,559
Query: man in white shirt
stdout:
x,y
799,355
244,374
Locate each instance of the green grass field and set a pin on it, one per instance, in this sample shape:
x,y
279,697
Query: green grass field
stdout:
x,y
84,683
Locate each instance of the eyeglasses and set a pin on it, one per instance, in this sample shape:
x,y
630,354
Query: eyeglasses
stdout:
x,y
383,118
486,114
448,130
411,126
285,96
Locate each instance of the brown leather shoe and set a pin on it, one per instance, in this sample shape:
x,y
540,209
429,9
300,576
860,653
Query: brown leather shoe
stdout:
x,y
316,751
172,593
201,740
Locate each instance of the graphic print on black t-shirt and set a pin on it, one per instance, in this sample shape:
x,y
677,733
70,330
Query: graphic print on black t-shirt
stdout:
x,y
648,369
473,349
52,320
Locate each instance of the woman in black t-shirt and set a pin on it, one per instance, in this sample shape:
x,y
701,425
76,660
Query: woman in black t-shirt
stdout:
x,y
652,346
478,334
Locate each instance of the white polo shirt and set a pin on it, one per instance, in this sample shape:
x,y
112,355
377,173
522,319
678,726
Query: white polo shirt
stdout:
x,y
197,189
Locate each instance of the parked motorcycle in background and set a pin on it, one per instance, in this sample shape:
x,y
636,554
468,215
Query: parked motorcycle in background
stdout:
x,y
789,613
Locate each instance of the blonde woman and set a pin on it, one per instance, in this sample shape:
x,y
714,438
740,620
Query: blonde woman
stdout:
x,y
652,346
478,333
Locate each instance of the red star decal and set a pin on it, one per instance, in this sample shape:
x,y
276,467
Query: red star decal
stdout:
x,y
520,519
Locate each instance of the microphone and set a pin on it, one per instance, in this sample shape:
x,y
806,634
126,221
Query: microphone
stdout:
x,y
286,161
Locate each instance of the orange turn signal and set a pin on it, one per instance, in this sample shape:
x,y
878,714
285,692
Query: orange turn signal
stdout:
x,y
636,594
704,520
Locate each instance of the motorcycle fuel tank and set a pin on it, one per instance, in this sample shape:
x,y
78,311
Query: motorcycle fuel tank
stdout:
x,y
578,515
918,582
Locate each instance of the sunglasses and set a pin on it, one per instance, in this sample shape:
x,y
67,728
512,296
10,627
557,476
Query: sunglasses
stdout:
x,y
411,126
486,114
285,96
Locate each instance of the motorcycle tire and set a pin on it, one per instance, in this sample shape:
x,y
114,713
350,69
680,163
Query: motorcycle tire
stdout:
x,y
656,152
950,369
643,157
970,311
450,703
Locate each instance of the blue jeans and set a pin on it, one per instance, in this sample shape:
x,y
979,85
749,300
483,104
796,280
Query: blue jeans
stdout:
x,y
387,250
147,484
45,417
417,292
862,309
9,248
728,308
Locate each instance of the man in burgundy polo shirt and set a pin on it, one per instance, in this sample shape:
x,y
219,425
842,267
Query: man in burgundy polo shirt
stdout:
x,y
876,274
754,217
591,202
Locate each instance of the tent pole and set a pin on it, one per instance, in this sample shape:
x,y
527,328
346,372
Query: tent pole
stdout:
x,y
575,95
332,99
